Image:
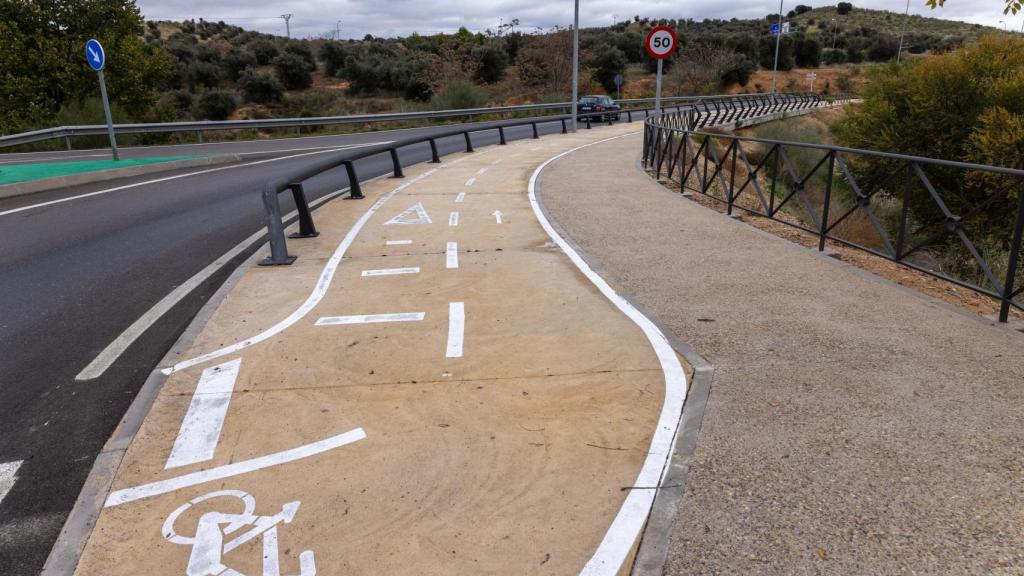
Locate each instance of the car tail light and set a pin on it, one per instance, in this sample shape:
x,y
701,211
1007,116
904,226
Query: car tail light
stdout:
x,y
597,108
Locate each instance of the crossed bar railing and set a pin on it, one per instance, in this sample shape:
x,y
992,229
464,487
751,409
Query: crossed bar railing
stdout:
x,y
907,209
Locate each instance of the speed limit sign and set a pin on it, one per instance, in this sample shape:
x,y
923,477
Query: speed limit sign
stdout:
x,y
661,42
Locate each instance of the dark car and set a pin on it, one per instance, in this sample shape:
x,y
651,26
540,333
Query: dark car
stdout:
x,y
597,108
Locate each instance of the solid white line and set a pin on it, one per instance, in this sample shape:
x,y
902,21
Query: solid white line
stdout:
x,y
391,271
470,181
460,198
456,329
451,259
326,277
168,178
118,497
7,477
453,219
200,430
625,528
371,318
397,242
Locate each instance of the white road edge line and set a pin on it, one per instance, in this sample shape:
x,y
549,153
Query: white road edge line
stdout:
x,y
397,242
460,198
8,471
390,271
451,256
323,283
453,219
200,429
176,177
371,318
632,516
126,495
456,329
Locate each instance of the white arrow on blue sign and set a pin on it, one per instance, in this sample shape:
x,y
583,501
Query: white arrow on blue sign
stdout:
x,y
94,55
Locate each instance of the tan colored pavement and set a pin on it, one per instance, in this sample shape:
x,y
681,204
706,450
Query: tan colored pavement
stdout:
x,y
510,459
852,427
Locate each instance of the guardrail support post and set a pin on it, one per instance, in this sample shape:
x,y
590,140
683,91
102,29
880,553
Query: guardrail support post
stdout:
x,y
306,227
565,129
434,158
629,116
355,191
396,163
469,143
588,121
199,136
278,248
535,135
1014,262
501,136
67,142
823,231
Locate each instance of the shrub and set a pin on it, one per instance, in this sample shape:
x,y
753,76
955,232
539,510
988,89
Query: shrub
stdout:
x,y
264,51
738,70
802,8
834,56
179,100
302,50
492,62
216,105
204,74
458,95
332,54
259,87
293,71
807,53
236,61
608,62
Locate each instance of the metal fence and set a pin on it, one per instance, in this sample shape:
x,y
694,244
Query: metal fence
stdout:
x,y
199,127
956,221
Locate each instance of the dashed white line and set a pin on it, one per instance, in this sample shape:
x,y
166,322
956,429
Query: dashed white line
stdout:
x,y
497,216
481,171
468,183
397,242
8,470
456,329
460,198
371,318
171,484
453,219
451,256
200,429
391,271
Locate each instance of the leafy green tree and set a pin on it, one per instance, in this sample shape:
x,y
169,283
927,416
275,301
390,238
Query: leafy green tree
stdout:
x,y
807,53
293,71
259,87
216,105
1009,7
844,8
264,50
235,62
492,61
203,74
608,62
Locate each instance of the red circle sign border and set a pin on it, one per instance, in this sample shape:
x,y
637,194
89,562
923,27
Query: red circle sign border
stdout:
x,y
647,42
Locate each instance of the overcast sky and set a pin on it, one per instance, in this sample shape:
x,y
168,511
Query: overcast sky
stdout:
x,y
357,18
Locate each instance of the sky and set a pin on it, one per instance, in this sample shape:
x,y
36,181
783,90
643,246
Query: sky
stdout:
x,y
389,18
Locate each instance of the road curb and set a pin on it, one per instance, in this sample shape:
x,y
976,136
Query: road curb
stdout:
x,y
46,184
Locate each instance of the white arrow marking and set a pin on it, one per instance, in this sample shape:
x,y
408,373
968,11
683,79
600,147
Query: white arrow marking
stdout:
x,y
453,219
95,55
7,478
497,216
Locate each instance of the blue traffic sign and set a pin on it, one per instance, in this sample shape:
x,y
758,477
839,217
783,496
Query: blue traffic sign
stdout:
x,y
775,28
94,55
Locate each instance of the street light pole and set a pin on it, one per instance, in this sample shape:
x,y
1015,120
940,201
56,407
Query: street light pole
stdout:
x,y
906,16
575,60
778,39
835,26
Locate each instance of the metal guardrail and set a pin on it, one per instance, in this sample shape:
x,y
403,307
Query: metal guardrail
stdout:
x,y
894,206
199,127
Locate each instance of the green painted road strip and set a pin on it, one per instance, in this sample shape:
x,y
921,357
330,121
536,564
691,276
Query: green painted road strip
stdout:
x,y
13,174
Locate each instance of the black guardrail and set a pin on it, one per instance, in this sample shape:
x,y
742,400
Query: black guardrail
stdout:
x,y
894,206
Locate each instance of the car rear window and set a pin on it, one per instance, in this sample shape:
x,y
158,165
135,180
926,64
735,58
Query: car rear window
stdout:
x,y
588,100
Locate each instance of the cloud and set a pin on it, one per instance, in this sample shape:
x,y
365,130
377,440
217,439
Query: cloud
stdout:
x,y
388,18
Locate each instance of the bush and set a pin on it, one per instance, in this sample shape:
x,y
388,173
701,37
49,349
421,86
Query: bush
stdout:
x,y
836,56
264,51
492,62
179,100
608,62
204,74
302,50
235,62
844,8
807,53
802,8
883,49
458,95
216,105
332,54
738,70
293,71
259,87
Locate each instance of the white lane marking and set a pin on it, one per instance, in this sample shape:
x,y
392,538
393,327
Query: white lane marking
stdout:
x,y
391,271
535,149
622,534
175,177
200,429
481,171
371,318
498,161
453,219
451,255
497,216
456,329
460,198
415,214
397,242
113,351
470,181
125,495
8,470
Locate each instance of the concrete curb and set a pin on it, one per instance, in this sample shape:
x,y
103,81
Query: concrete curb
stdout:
x,y
34,186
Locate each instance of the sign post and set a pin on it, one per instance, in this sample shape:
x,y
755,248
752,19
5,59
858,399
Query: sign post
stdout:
x,y
810,79
661,42
97,58
618,86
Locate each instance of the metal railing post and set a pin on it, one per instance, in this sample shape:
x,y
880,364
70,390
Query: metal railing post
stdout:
x,y
1011,267
587,117
355,190
469,143
306,227
629,116
396,163
199,136
278,247
732,179
823,230
534,126
434,158
67,142
501,136
565,129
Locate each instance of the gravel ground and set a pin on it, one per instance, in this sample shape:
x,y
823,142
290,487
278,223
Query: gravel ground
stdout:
x,y
853,427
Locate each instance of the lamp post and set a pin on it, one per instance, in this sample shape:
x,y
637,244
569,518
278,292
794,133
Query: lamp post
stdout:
x,y
775,67
575,60
835,25
906,16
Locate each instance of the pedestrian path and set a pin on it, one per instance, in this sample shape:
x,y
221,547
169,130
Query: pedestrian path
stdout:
x,y
438,385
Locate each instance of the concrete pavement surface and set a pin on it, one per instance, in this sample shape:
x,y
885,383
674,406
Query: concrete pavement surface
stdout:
x,y
853,427
434,387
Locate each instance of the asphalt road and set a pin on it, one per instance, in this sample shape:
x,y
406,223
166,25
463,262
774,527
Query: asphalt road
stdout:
x,y
74,274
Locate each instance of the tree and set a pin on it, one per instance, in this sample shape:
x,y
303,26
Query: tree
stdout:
x,y
802,8
235,62
1010,7
264,50
492,61
807,53
844,8
216,105
259,87
608,63
293,71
